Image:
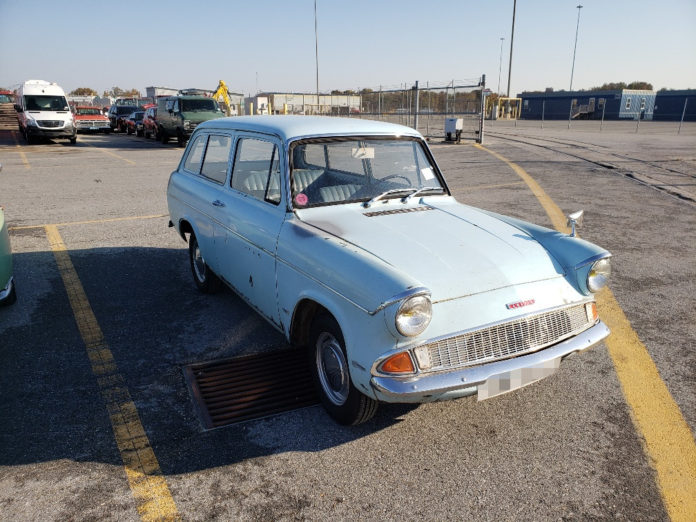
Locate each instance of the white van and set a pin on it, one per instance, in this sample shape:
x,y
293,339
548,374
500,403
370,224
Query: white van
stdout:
x,y
43,111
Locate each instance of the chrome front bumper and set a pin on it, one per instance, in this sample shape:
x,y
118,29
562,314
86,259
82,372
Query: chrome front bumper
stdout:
x,y
427,387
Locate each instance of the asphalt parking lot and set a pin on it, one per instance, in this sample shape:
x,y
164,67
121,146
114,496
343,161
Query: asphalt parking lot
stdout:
x,y
568,447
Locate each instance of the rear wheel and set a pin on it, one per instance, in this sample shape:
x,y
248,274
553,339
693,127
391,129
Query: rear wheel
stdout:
x,y
206,281
329,364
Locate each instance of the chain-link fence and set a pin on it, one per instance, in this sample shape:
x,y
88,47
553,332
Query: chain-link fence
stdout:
x,y
427,106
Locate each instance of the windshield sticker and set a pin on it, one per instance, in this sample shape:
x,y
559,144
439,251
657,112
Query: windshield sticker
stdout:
x,y
363,153
427,173
301,199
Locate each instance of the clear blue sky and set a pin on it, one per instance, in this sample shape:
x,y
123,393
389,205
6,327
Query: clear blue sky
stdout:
x,y
269,45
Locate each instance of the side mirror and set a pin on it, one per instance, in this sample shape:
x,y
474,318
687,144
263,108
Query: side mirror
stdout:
x,y
575,220
18,108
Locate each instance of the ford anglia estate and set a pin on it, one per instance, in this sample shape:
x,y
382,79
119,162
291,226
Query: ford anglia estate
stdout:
x,y
344,235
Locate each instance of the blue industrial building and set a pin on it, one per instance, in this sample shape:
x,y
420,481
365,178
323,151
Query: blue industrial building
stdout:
x,y
624,104
671,105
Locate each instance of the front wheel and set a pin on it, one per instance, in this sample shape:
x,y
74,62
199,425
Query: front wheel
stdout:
x,y
206,281
329,364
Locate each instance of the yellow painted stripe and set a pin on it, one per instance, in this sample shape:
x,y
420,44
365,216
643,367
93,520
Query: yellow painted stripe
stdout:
x,y
152,496
21,152
108,152
90,222
668,440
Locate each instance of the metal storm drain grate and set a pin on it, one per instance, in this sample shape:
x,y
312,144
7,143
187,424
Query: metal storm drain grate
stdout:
x,y
250,387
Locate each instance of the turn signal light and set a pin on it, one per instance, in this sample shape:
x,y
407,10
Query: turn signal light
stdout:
x,y
591,309
399,363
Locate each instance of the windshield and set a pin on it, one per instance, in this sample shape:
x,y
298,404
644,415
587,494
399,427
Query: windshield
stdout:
x,y
206,104
45,103
5,98
340,170
92,111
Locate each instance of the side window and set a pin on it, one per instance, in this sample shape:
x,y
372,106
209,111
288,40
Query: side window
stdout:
x,y
257,169
628,103
195,155
216,157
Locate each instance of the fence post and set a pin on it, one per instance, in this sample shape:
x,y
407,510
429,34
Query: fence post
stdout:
x,y
483,108
683,113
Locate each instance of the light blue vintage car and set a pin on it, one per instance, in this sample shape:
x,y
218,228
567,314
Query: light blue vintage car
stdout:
x,y
343,234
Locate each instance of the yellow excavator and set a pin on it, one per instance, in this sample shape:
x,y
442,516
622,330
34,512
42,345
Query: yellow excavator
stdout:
x,y
222,96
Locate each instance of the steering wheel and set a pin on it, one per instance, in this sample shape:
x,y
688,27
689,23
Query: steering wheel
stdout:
x,y
392,176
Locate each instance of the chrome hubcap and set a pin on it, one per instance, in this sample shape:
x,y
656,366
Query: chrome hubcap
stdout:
x,y
198,264
332,368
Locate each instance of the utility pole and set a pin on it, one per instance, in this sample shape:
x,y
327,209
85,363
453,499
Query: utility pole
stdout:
x,y
512,38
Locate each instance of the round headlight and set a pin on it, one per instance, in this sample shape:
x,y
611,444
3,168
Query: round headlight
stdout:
x,y
414,315
599,274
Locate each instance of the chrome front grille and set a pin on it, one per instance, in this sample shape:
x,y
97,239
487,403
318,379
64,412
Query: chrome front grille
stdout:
x,y
504,340
49,123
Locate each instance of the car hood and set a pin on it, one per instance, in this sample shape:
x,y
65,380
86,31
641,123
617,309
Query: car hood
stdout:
x,y
452,249
201,116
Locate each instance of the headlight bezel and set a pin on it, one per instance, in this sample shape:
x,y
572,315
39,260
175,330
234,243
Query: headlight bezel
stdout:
x,y
413,316
598,275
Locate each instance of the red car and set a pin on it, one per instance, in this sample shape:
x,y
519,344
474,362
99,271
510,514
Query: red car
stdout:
x,y
150,122
91,119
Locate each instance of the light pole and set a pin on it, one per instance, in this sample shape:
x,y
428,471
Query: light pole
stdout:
x,y
500,64
512,38
316,50
572,70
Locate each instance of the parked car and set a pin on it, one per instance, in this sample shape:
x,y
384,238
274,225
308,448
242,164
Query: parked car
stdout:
x,y
118,115
8,293
134,123
344,235
150,122
179,115
90,119
43,112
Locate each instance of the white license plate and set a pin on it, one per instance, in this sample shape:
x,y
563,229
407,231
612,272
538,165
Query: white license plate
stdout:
x,y
508,381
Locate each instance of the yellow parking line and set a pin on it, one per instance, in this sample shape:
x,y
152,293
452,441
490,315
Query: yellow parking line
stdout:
x,y
90,222
21,152
153,498
108,152
668,440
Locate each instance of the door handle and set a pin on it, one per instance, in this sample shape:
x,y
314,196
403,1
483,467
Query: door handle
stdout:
x,y
218,203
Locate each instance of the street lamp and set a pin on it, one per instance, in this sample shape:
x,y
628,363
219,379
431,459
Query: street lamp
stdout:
x,y
512,39
316,50
500,63
572,70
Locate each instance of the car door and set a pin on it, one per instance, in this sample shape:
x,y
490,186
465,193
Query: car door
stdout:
x,y
254,215
206,165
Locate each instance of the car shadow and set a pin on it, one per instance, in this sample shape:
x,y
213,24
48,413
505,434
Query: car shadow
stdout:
x,y
155,323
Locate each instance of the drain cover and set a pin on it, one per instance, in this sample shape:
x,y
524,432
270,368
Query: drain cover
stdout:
x,y
250,387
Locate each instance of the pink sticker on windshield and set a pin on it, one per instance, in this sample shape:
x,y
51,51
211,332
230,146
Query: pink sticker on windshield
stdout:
x,y
301,199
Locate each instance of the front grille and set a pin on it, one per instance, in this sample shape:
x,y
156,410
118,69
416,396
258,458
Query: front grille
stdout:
x,y
49,123
504,340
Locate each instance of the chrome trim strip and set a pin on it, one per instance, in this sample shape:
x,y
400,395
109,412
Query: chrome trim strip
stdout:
x,y
591,260
426,387
412,292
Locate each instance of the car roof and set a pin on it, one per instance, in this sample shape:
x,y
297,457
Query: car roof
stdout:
x,y
291,127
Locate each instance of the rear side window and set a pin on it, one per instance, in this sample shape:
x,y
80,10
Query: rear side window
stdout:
x,y
257,170
216,157
195,155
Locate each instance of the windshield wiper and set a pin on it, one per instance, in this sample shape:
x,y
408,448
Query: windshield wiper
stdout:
x,y
421,190
386,193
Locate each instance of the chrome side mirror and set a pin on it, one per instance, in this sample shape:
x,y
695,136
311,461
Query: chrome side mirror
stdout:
x,y
575,220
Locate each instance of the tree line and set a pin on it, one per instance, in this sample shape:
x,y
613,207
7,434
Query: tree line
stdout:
x,y
114,92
